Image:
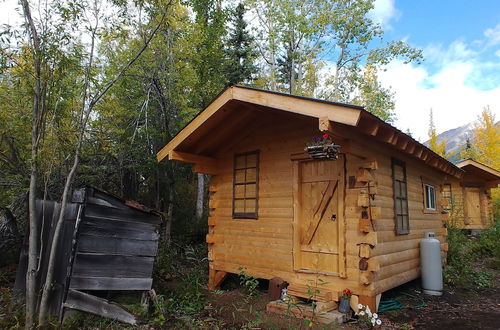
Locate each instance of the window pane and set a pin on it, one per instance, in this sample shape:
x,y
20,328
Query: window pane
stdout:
x,y
240,176
251,160
239,206
239,191
251,190
397,189
403,190
250,205
240,162
399,173
405,223
404,207
432,193
398,206
251,175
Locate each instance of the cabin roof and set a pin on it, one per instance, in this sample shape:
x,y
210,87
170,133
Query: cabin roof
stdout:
x,y
480,170
242,99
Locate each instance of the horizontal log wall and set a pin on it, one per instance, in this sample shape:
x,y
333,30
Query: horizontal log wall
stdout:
x,y
263,247
376,259
397,256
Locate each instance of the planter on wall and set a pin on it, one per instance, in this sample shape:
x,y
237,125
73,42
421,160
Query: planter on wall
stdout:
x,y
327,151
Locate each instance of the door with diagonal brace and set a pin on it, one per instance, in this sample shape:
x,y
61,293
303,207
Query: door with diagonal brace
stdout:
x,y
318,199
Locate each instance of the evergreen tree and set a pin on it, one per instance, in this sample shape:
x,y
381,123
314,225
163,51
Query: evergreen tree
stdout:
x,y
240,53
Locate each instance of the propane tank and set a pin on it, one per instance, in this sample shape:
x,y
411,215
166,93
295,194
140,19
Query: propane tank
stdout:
x,y
430,265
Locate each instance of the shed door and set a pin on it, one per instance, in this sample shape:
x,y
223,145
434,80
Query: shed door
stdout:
x,y
319,217
473,205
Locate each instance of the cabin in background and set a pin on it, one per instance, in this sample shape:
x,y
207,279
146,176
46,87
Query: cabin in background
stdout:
x,y
468,200
320,224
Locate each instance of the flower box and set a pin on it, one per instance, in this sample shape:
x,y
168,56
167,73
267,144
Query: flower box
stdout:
x,y
326,151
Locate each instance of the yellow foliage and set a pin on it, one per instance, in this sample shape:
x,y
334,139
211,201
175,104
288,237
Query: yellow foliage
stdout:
x,y
487,139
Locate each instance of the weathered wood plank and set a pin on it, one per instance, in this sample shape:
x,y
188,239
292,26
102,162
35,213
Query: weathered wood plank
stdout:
x,y
102,265
102,227
88,303
110,283
116,245
130,214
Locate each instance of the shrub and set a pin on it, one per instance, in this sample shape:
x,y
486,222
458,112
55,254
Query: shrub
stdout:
x,y
462,253
488,245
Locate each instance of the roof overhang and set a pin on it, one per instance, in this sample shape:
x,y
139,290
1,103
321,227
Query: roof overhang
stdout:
x,y
326,112
480,171
338,113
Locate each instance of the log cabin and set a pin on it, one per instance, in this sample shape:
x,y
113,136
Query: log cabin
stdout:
x,y
321,224
468,200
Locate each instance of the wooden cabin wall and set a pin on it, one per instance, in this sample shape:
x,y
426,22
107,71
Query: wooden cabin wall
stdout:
x,y
458,212
394,259
375,261
263,247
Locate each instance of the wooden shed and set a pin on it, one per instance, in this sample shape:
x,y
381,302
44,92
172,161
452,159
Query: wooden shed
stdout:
x,y
107,244
468,200
320,224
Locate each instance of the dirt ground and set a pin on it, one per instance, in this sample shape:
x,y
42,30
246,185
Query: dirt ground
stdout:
x,y
455,309
234,308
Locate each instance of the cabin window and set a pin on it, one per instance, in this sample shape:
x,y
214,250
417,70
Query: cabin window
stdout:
x,y
400,197
246,185
447,196
429,197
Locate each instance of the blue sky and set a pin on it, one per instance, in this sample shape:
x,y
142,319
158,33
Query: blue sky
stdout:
x,y
461,72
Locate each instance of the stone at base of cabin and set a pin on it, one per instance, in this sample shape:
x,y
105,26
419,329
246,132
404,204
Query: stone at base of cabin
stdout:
x,y
304,311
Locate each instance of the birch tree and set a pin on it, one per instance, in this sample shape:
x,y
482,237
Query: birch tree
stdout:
x,y
91,95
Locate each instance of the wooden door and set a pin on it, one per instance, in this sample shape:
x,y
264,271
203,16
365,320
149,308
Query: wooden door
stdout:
x,y
473,205
318,213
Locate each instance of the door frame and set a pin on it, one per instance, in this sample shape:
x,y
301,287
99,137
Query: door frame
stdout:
x,y
341,188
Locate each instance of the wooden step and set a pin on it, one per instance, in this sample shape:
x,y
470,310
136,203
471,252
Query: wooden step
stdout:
x,y
312,293
304,311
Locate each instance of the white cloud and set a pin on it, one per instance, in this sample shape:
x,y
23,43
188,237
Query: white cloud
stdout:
x,y
383,12
454,103
493,35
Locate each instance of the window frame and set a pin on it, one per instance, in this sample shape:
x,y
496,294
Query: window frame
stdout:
x,y
246,215
444,194
399,228
427,201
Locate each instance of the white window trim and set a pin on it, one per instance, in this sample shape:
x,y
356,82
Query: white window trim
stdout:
x,y
427,201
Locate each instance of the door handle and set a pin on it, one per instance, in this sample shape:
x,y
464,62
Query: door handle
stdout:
x,y
334,217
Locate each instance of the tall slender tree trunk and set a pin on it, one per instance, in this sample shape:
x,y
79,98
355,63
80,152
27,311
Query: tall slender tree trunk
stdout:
x,y
201,195
34,239
87,107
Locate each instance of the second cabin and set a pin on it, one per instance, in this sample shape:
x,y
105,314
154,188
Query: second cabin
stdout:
x,y
350,215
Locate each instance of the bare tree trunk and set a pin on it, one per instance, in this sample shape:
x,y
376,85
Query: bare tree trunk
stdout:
x,y
86,111
170,219
201,195
33,250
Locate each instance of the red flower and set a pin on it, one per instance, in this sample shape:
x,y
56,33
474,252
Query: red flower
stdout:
x,y
325,136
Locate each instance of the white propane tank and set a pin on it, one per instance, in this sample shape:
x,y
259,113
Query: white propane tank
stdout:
x,y
430,265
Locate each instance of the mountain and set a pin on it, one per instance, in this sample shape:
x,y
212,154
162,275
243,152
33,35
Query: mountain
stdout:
x,y
456,138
